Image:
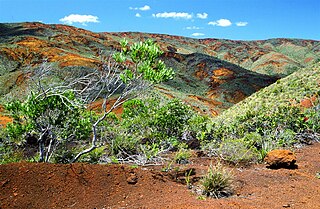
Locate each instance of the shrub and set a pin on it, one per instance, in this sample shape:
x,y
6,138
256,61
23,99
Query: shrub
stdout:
x,y
182,156
171,118
217,182
237,151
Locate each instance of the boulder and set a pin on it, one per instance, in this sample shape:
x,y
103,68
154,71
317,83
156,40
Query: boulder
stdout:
x,y
281,159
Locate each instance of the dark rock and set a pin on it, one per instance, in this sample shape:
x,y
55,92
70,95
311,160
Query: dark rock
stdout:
x,y
189,138
132,179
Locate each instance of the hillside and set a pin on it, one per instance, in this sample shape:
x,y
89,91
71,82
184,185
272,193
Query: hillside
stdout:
x,y
212,74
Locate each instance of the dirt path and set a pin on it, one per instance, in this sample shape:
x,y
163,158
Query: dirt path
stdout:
x,y
31,185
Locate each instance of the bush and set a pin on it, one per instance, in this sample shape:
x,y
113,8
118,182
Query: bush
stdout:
x,y
182,156
237,151
217,182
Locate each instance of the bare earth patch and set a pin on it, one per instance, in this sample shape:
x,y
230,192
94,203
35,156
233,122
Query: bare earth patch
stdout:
x,y
31,185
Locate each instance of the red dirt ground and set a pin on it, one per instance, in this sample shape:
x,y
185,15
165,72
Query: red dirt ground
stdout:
x,y
32,185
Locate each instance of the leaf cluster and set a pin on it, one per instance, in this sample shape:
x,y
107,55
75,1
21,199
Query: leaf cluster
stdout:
x,y
142,62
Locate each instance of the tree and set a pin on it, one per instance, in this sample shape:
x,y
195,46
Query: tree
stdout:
x,y
54,111
50,116
127,73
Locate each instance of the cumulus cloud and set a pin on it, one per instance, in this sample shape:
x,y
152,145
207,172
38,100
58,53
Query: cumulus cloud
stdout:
x,y
221,23
241,24
202,15
76,18
192,28
144,8
197,34
176,15
138,15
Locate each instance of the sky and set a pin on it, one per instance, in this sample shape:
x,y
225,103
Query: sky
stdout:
x,y
227,19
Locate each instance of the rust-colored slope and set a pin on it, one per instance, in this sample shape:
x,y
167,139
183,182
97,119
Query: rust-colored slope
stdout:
x,y
30,43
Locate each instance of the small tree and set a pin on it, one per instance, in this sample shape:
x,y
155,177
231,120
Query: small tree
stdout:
x,y
50,116
126,74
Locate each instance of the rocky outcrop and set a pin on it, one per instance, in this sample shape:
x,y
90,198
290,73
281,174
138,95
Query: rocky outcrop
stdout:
x,y
281,159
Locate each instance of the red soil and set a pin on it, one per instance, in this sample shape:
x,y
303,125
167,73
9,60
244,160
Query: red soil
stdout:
x,y
32,185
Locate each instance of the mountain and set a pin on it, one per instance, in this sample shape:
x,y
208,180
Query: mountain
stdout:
x,y
212,74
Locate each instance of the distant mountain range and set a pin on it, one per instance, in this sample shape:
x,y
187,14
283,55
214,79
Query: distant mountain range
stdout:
x,y
211,74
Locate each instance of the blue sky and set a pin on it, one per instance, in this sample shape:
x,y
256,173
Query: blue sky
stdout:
x,y
229,19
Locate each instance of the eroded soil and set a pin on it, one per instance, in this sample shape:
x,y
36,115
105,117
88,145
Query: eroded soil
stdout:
x,y
32,185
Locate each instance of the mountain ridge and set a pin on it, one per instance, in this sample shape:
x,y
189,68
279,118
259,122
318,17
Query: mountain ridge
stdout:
x,y
28,44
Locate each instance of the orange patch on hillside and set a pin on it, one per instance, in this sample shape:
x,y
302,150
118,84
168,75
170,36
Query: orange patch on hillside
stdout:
x,y
44,49
4,120
97,107
75,60
170,96
308,102
223,72
176,56
237,96
308,59
210,102
221,76
201,72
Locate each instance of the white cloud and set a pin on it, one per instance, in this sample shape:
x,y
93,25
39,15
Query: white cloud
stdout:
x,y
144,8
221,23
242,24
197,34
138,15
202,16
76,18
193,28
176,15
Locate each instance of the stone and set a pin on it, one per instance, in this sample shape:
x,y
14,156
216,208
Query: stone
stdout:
x,y
132,179
189,138
281,159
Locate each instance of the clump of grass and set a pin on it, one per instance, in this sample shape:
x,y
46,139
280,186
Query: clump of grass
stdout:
x,y
182,156
217,182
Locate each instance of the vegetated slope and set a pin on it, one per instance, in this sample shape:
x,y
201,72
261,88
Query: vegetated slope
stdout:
x,y
210,84
300,89
28,44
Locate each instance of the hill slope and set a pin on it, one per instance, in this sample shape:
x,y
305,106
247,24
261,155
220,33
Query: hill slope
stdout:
x,y
205,78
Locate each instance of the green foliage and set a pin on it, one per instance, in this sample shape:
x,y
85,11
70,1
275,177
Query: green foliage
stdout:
x,y
182,156
93,156
217,181
150,125
9,155
52,116
269,119
144,56
237,151
172,117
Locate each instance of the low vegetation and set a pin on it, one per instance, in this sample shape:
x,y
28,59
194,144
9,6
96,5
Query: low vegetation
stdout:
x,y
217,182
281,115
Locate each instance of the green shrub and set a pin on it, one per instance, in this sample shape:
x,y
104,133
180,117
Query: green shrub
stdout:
x,y
217,182
237,151
171,118
182,156
9,155
94,156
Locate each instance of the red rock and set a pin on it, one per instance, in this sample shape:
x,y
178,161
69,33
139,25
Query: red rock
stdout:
x,y
281,159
